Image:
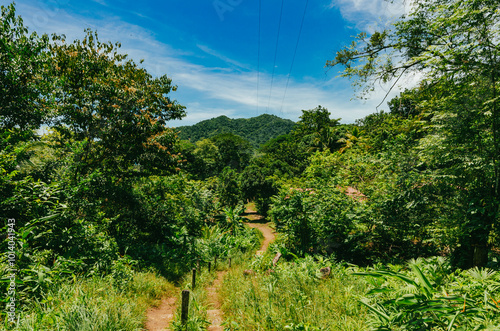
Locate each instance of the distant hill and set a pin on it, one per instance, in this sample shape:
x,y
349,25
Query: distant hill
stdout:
x,y
258,130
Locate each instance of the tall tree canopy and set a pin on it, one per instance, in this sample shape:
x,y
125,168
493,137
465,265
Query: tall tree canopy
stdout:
x,y
115,108
453,46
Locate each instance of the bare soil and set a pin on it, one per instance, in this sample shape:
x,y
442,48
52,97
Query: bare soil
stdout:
x,y
215,314
159,318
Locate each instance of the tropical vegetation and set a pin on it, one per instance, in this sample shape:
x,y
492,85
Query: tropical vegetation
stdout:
x,y
388,223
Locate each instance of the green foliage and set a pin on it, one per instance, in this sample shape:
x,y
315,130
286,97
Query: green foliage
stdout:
x,y
116,109
228,190
316,130
315,220
23,105
257,182
223,242
257,130
453,45
92,303
235,151
429,296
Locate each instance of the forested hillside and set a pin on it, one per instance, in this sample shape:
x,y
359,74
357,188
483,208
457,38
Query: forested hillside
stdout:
x,y
388,223
258,130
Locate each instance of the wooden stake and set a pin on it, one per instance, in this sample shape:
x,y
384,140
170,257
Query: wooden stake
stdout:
x,y
209,266
194,278
229,262
185,307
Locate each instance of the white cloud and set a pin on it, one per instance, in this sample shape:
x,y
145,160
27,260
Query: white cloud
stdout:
x,y
370,15
211,91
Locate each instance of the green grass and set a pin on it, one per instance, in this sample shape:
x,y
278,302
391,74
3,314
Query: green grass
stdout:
x,y
94,304
292,296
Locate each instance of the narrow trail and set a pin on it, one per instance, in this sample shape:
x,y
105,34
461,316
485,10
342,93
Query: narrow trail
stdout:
x,y
215,314
159,318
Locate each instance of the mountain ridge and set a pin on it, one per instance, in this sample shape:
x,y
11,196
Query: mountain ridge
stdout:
x,y
258,130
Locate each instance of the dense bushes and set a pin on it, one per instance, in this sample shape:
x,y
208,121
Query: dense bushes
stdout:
x,y
315,220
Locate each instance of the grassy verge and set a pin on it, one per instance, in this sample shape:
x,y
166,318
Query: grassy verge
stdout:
x,y
292,296
94,304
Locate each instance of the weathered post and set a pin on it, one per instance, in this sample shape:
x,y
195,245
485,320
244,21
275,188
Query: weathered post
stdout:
x,y
194,278
209,266
185,307
229,262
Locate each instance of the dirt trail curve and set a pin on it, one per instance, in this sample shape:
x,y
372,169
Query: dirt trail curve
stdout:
x,y
159,318
215,314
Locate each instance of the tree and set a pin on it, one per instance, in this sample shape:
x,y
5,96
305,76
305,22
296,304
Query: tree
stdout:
x,y
23,57
315,129
228,190
116,110
208,158
235,152
453,45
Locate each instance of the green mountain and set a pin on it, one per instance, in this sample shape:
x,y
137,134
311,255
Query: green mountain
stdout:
x,y
258,130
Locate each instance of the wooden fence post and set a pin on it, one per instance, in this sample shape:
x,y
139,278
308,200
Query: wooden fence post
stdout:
x,y
209,266
229,262
185,307
194,278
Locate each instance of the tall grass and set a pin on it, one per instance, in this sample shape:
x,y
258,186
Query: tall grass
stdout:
x,y
292,296
94,304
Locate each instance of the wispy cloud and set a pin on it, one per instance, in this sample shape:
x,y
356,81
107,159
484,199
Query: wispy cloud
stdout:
x,y
210,91
369,15
222,57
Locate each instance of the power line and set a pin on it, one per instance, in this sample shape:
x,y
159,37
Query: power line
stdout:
x,y
258,57
294,54
275,55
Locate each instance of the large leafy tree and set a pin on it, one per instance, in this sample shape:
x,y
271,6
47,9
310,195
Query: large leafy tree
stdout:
x,y
316,129
235,152
115,109
453,46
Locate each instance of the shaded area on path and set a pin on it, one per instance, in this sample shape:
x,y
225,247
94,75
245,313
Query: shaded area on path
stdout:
x,y
261,223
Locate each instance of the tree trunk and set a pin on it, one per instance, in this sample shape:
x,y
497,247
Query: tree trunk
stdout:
x,y
480,258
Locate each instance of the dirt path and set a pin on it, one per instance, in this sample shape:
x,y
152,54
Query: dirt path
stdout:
x,y
259,222
268,235
215,313
159,318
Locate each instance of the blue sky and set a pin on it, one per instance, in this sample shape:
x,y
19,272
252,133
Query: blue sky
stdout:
x,y
210,49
